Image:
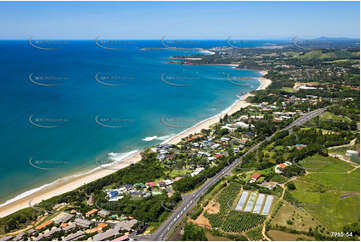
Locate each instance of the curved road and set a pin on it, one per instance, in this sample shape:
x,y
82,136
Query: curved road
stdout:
x,y
189,200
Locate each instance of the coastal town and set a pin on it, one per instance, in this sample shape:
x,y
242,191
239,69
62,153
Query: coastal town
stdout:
x,y
279,191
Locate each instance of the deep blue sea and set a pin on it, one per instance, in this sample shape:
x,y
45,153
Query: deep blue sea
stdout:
x,y
69,105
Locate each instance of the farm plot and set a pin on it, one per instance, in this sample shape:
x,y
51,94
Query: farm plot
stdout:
x,y
251,200
242,201
257,207
267,205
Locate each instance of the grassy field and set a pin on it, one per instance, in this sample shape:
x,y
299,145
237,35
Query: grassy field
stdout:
x,y
333,117
319,192
301,220
318,163
288,89
284,236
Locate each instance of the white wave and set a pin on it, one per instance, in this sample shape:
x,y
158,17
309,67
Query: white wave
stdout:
x,y
115,157
25,194
162,138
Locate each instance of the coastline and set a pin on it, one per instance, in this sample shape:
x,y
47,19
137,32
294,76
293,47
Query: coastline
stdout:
x,y
73,182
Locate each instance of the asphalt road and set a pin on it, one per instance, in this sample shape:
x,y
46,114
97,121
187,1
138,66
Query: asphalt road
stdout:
x,y
189,200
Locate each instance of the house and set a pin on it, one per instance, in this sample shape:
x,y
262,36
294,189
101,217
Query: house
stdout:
x,y
19,236
150,184
270,185
218,155
82,222
51,232
300,146
6,238
113,194
279,168
168,182
126,224
177,178
91,212
161,184
74,236
105,235
139,185
103,213
254,177
43,225
98,229
64,218
122,238
197,171
69,227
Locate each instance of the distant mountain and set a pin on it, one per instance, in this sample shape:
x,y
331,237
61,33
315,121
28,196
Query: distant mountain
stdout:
x,y
323,38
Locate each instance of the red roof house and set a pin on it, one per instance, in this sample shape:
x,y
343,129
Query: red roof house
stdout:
x,y
150,184
255,176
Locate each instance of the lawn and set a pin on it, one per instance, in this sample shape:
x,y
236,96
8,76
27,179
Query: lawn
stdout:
x,y
319,163
284,236
301,220
333,117
319,192
288,89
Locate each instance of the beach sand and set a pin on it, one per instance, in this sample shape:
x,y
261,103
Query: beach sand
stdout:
x,y
72,182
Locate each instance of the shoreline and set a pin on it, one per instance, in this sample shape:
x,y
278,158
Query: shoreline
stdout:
x,y
72,182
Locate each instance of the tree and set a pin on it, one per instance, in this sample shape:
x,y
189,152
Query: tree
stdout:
x,y
193,233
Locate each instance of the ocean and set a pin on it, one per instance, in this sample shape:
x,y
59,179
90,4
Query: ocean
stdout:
x,y
71,106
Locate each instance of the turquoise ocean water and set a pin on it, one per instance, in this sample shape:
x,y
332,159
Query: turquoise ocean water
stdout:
x,y
71,104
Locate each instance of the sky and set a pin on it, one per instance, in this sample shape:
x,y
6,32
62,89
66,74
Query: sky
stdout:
x,y
178,20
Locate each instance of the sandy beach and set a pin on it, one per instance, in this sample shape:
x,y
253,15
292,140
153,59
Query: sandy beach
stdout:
x,y
72,182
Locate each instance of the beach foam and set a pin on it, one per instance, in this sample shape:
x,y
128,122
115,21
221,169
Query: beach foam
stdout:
x,y
150,138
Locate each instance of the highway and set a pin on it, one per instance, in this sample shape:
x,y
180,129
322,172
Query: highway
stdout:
x,y
189,200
